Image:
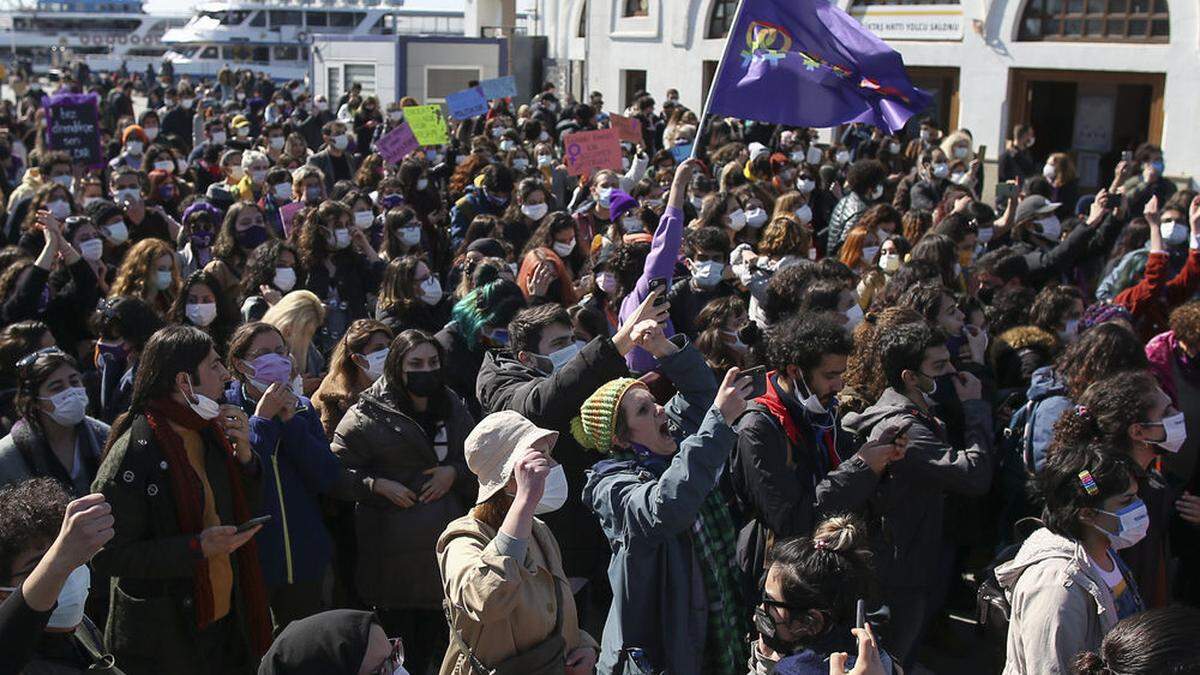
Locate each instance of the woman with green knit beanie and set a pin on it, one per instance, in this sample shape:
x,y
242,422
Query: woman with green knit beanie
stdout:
x,y
675,598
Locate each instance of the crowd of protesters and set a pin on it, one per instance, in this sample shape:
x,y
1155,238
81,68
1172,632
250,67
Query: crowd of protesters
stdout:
x,y
274,404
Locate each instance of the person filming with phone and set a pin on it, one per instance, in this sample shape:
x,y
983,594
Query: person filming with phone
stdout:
x,y
187,594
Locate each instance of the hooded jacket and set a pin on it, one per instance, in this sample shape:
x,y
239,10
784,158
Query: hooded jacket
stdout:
x,y
1019,351
908,506
550,401
396,562
1060,605
329,643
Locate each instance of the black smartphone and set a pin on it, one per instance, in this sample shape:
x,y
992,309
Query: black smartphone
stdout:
x,y
860,613
659,284
758,380
1126,155
249,524
981,154
1005,190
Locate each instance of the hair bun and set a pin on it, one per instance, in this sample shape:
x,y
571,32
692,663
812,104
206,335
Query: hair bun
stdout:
x,y
1090,663
839,533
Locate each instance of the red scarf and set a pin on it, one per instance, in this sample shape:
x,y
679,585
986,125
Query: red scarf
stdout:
x,y
189,510
779,410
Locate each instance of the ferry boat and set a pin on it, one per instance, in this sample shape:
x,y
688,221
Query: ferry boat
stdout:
x,y
274,36
103,33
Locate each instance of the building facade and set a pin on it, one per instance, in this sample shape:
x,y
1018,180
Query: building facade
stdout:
x,y
1094,77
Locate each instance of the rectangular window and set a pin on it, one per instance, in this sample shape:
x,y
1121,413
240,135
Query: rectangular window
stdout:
x,y
362,73
333,83
285,17
259,20
286,53
632,82
318,19
441,82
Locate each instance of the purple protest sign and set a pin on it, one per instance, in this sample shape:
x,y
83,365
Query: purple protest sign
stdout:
x,y
589,151
395,145
73,125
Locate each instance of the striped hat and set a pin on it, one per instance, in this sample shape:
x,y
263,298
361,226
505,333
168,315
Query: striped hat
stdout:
x,y
597,420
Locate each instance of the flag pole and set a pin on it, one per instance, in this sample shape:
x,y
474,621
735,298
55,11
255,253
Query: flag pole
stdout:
x,y
704,121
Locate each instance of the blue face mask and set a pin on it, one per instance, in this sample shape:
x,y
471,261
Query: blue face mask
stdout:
x,y
1158,166
498,201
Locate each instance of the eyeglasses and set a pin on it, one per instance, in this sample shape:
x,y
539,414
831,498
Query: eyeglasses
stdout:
x,y
394,660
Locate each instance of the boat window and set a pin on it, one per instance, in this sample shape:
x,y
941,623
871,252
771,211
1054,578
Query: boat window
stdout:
x,y
285,53
345,19
286,17
317,18
210,52
259,20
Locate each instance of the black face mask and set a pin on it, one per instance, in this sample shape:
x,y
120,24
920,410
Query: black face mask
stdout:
x,y
766,627
424,383
986,294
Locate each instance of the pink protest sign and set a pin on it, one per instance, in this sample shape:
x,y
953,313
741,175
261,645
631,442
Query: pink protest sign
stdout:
x,y
395,145
628,129
589,151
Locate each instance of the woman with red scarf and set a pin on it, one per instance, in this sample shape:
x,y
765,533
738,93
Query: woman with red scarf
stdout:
x,y
187,594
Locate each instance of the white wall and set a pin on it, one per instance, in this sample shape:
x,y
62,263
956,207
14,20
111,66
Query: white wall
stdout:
x,y
337,53
423,55
669,44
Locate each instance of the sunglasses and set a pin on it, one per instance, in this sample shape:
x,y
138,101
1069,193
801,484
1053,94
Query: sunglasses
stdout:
x,y
29,359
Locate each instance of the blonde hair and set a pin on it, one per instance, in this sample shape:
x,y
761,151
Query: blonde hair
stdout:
x,y
839,533
297,316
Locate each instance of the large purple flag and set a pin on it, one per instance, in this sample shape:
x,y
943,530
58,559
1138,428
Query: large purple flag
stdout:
x,y
808,63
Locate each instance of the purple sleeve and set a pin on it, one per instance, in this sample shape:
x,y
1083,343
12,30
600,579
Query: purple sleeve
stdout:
x,y
664,253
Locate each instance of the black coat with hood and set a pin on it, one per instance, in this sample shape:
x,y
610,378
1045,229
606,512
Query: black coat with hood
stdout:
x,y
550,401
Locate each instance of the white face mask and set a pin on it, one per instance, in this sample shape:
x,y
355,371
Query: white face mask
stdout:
x,y
696,202
961,152
632,224
69,406
889,262
606,282
555,493
959,178
63,180
341,141
363,219
811,403
410,236
285,278
941,170
283,192
59,208
68,613
894,148
203,406
813,155
737,220
165,165
559,358
236,172
117,233
92,249
805,185
134,148
564,249
375,361
341,238
854,315
842,157
1175,428
431,291
1134,522
422,183
201,314
545,161
604,196
877,192
507,145
520,163
151,132
163,279
1051,227
187,103
985,235
242,131
535,211
1049,172
804,213
258,175
707,273
276,142
395,115
181,165
1174,233
131,194
755,218
219,138
797,156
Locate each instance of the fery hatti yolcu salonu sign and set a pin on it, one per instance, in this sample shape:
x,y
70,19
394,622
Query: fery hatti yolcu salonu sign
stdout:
x,y
911,22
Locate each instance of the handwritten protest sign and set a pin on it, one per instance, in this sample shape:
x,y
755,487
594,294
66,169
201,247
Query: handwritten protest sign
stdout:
x,y
628,128
499,87
467,103
72,124
682,152
428,124
395,145
589,151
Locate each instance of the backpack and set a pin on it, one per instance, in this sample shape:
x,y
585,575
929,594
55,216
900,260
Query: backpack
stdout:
x,y
992,608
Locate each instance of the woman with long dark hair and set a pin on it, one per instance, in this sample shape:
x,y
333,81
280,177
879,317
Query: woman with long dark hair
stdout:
x,y
272,271
404,439
187,593
202,303
53,436
341,265
356,363
411,297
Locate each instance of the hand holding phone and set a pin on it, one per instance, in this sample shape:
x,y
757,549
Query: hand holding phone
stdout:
x,y
253,523
659,284
758,381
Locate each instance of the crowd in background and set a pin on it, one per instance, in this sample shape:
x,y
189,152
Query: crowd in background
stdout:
x,y
274,404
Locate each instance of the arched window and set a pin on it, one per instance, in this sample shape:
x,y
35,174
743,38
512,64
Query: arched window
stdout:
x,y
721,19
1096,21
582,30
636,8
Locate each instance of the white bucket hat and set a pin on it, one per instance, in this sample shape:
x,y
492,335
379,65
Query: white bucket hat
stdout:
x,y
493,447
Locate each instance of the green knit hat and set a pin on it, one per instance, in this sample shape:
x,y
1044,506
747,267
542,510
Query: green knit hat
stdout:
x,y
597,420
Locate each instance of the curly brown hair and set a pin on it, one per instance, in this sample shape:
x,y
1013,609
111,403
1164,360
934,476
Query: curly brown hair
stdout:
x,y
1103,349
915,224
785,235
864,369
1106,410
135,272
312,243
1185,323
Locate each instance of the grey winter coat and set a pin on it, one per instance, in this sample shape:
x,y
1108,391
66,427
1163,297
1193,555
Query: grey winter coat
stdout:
x,y
909,504
647,513
1060,605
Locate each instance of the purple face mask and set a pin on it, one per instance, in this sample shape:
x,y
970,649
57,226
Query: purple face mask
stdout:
x,y
270,368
